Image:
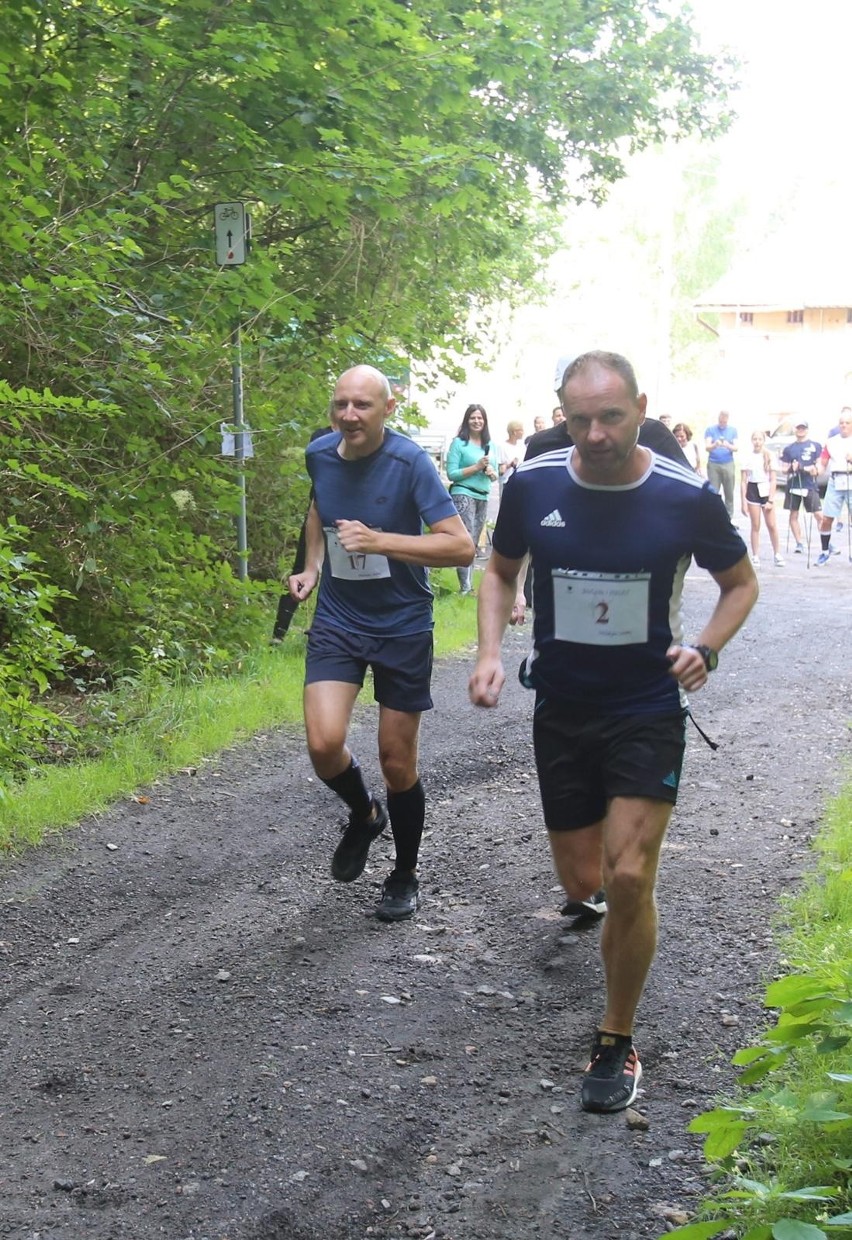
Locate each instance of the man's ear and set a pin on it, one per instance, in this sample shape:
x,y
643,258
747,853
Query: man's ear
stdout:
x,y
642,403
390,406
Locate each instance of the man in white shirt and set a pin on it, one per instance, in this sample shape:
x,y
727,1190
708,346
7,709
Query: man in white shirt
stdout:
x,y
511,452
838,454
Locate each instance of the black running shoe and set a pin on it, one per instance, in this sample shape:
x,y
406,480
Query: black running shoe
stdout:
x,y
613,1075
594,906
350,856
399,897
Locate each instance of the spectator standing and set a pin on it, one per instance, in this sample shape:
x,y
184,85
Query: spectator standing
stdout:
x,y
758,482
511,452
374,491
800,461
720,444
837,454
683,434
472,465
611,528
539,424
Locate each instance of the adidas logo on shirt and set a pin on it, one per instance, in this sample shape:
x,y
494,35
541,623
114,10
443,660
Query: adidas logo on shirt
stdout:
x,y
553,521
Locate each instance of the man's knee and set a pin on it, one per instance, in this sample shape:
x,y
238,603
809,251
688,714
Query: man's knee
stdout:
x,y
629,880
399,766
326,748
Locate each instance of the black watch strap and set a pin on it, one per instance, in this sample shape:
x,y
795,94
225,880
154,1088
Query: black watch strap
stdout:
x,y
710,657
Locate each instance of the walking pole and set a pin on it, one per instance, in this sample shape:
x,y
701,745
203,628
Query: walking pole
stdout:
x,y
848,519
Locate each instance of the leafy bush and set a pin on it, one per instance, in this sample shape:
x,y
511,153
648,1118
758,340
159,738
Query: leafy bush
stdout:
x,y
34,653
783,1153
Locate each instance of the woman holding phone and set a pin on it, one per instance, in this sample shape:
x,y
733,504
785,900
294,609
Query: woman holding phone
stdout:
x,y
472,467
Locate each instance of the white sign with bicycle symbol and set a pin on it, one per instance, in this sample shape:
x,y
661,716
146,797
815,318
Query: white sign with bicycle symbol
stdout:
x,y
230,218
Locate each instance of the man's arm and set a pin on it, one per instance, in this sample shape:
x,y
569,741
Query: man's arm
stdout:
x,y
738,591
301,584
447,545
497,594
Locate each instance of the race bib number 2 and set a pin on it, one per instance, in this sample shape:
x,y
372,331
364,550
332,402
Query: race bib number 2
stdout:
x,y
600,609
353,565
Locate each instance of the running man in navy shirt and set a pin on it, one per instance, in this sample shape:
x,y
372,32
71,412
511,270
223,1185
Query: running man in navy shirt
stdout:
x,y
611,528
374,491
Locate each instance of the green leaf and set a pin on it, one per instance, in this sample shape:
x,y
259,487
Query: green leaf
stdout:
x,y
719,1144
821,1192
822,1115
711,1121
792,1229
700,1231
839,1220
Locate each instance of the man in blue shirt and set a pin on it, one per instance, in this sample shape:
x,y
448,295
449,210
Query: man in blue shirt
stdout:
x,y
374,491
720,442
801,462
611,528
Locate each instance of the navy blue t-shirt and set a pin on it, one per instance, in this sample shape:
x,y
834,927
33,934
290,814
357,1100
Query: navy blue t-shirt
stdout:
x,y
807,453
396,489
620,554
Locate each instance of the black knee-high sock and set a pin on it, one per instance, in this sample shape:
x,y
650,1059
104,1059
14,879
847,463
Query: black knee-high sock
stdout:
x,y
350,787
407,812
825,540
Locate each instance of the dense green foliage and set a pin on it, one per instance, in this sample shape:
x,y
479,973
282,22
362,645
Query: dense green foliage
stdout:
x,y
783,1151
401,166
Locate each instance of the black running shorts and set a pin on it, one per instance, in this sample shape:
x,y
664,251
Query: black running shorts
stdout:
x,y
794,502
402,666
583,761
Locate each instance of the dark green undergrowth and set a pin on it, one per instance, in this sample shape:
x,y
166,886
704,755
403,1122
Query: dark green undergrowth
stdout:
x,y
114,742
781,1149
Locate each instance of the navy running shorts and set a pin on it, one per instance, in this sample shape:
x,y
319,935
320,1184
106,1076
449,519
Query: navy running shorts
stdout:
x,y
583,761
401,666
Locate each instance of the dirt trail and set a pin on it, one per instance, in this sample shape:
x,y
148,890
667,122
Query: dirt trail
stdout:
x,y
206,1038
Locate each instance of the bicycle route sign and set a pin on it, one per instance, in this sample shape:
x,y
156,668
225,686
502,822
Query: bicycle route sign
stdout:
x,y
230,220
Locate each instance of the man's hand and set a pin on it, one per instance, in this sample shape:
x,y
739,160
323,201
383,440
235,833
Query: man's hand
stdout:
x,y
519,609
687,667
301,585
357,537
486,682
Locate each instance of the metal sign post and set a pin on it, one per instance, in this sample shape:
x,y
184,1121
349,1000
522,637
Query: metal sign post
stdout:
x,y
232,242
240,449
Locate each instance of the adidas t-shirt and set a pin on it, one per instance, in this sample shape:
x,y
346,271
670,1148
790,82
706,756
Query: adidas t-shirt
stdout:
x,y
608,571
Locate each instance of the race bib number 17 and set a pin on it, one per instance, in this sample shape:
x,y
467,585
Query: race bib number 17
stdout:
x,y
353,565
600,609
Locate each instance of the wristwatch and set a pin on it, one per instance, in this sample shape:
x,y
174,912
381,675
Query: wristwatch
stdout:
x,y
710,657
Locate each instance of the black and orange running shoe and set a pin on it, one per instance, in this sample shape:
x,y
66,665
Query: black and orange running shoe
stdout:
x,y
612,1078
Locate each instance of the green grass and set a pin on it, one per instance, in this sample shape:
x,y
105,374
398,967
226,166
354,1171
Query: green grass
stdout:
x,y
783,1152
175,725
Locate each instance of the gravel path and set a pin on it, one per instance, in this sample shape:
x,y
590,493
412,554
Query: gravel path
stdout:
x,y
205,1037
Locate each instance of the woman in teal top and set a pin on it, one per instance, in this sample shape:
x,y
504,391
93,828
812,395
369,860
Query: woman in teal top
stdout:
x,y
471,469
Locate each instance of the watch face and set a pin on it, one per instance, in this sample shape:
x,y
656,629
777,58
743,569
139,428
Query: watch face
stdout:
x,y
710,658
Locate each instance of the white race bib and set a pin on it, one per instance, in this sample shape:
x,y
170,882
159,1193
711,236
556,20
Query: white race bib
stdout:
x,y
600,609
353,565
841,481
762,489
